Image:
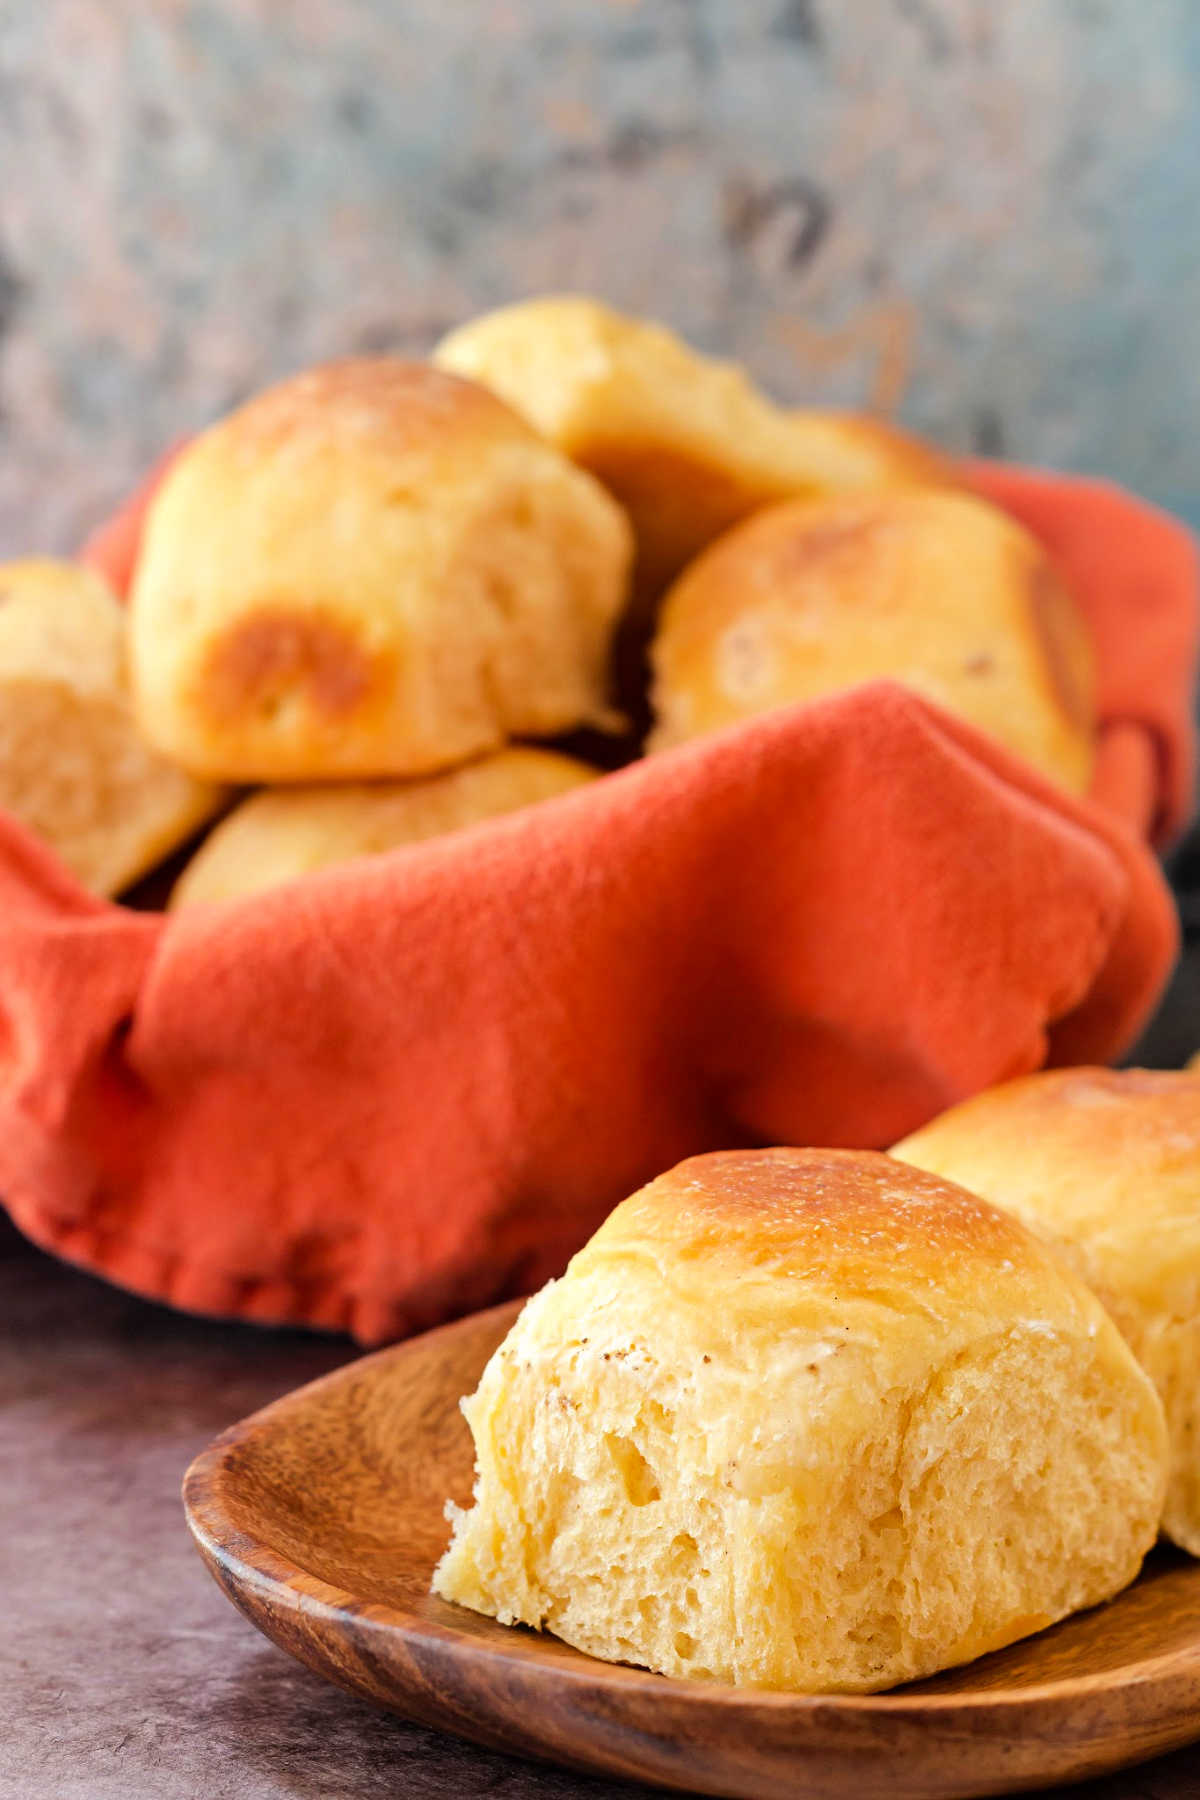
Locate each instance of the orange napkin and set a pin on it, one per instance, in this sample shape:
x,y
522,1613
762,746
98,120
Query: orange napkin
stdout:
x,y
408,1086
1133,571
405,1087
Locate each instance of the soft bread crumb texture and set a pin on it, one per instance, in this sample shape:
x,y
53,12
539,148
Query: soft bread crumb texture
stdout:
x,y
1106,1163
936,589
374,569
686,443
280,834
73,767
806,1420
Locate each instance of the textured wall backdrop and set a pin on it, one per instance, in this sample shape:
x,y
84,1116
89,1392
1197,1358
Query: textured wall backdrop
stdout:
x,y
981,213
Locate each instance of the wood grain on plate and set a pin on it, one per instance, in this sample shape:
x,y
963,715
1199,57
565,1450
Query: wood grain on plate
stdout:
x,y
322,1518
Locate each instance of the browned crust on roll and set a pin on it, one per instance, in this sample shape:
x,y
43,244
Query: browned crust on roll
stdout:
x,y
365,397
802,1206
280,651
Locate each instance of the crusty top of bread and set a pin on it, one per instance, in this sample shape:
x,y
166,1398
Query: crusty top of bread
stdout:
x,y
778,1210
584,372
932,587
685,441
1106,1158
370,406
785,1235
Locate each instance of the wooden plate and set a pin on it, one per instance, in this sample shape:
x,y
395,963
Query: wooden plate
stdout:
x,y
322,1518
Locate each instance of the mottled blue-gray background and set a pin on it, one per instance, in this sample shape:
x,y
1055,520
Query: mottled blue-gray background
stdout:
x,y
978,213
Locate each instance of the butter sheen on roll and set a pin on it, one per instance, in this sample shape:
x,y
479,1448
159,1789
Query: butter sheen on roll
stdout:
x,y
1105,1162
73,767
686,443
372,569
806,1419
282,833
936,589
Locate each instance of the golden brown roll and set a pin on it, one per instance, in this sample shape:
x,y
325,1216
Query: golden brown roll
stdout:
x,y
806,1419
372,569
687,444
72,765
1107,1163
281,833
936,589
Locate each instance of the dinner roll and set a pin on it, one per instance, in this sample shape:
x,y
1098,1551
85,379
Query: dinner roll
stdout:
x,y
72,765
280,833
687,444
806,1419
1108,1163
937,589
372,569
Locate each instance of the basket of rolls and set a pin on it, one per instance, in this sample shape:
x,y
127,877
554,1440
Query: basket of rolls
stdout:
x,y
451,793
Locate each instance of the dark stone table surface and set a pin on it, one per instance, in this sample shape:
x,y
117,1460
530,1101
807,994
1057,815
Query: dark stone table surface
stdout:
x,y
124,1673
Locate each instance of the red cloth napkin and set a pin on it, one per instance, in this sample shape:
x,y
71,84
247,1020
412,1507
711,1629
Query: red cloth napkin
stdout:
x,y
1132,569
408,1086
402,1088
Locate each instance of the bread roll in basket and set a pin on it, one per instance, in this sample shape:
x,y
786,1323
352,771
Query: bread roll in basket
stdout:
x,y
372,569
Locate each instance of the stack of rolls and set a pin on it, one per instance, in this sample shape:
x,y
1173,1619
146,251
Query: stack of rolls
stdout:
x,y
383,595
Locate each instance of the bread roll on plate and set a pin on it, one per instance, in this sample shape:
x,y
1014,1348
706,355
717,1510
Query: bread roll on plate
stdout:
x,y
806,1419
937,589
687,444
372,569
1106,1162
72,765
281,833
